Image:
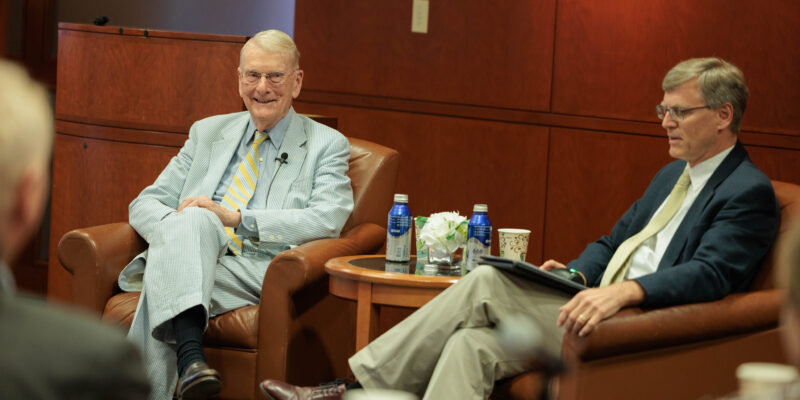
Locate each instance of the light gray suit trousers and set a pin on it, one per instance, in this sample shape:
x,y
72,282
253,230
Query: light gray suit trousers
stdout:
x,y
187,267
448,349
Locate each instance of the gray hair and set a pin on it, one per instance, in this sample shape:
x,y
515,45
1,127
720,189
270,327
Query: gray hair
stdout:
x,y
273,40
719,81
26,130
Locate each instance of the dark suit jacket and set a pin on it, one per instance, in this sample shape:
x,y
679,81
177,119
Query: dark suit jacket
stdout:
x,y
718,247
49,352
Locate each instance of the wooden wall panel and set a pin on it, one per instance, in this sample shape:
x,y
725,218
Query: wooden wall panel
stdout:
x,y
143,81
93,183
610,57
778,164
608,60
497,54
588,188
450,164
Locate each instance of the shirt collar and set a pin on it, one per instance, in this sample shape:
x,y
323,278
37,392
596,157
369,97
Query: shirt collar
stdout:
x,y
277,132
702,172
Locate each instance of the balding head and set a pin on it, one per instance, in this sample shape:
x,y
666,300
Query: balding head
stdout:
x,y
273,41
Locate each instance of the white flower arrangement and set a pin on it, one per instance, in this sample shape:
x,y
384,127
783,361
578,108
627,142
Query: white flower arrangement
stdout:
x,y
444,231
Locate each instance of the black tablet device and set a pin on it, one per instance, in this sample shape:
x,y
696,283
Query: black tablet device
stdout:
x,y
533,273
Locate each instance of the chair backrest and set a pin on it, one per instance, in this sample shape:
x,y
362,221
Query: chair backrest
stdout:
x,y
788,195
373,174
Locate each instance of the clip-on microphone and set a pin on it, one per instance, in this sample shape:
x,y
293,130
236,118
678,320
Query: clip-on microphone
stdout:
x,y
282,158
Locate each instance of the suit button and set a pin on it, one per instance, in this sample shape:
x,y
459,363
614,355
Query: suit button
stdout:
x,y
271,237
280,237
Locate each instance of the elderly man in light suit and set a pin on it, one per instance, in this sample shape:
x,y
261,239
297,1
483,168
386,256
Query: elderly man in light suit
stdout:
x,y
243,188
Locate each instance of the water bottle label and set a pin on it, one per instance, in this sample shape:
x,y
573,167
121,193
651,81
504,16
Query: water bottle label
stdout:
x,y
479,243
399,224
483,233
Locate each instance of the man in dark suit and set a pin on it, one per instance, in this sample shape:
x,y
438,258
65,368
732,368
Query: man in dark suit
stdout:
x,y
698,233
46,352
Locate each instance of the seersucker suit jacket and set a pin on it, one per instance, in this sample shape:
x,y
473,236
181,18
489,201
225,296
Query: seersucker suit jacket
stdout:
x,y
308,197
719,244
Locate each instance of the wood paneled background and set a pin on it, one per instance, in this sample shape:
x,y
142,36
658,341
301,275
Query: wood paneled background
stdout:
x,y
542,109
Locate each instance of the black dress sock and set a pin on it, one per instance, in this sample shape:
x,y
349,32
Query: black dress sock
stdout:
x,y
188,327
354,385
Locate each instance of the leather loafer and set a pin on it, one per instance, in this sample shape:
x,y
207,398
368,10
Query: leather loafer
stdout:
x,y
198,382
277,390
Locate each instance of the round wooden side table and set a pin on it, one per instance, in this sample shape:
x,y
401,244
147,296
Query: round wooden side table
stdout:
x,y
372,281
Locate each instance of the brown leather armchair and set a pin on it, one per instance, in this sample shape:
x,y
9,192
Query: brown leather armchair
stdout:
x,y
299,332
682,352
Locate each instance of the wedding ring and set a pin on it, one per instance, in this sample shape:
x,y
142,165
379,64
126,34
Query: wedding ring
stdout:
x,y
582,319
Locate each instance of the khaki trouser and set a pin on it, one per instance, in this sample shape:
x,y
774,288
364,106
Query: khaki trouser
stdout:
x,y
448,349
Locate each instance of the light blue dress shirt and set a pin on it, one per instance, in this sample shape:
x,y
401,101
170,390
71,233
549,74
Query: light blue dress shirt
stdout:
x,y
268,151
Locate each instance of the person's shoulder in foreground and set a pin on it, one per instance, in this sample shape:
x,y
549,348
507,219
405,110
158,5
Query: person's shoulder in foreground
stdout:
x,y
51,352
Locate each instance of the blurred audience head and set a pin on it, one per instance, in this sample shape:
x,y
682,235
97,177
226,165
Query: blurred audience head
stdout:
x,y
788,278
719,82
26,136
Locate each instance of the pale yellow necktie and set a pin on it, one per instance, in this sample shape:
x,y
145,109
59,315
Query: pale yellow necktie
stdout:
x,y
242,188
617,268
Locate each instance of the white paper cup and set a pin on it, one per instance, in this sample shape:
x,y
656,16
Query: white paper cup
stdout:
x,y
514,243
757,378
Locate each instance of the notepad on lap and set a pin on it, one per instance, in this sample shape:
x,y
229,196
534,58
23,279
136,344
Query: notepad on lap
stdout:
x,y
533,273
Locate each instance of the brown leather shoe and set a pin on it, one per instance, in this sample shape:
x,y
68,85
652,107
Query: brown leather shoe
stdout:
x,y
198,382
277,390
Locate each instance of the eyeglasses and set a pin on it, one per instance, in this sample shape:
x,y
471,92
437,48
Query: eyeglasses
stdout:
x,y
675,111
274,78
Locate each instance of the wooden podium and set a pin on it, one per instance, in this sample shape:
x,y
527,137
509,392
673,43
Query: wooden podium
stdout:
x,y
125,101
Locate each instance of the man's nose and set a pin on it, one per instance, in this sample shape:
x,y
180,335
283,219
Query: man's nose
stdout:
x,y
263,84
668,121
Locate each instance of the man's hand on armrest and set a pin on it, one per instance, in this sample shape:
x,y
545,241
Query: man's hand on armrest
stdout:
x,y
584,311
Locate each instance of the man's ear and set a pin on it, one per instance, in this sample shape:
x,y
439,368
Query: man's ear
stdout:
x,y
298,84
725,116
25,207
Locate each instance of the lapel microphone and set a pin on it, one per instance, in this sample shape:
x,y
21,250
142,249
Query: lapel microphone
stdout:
x,y
282,158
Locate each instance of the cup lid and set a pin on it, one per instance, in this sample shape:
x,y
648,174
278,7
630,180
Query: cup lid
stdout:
x,y
513,230
766,372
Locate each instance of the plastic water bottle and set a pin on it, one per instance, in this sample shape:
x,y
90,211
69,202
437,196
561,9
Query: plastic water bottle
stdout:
x,y
398,232
479,236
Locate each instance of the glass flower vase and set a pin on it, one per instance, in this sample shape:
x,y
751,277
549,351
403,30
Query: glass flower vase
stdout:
x,y
441,257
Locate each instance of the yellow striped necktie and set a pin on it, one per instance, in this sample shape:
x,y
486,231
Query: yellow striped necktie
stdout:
x,y
242,188
617,268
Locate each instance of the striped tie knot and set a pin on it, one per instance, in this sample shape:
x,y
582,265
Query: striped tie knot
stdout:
x,y
260,137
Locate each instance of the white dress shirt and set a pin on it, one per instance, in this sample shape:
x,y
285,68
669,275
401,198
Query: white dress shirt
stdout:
x,y
647,256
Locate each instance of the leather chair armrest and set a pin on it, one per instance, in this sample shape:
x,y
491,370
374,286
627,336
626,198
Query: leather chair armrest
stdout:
x,y
298,315
634,329
95,256
294,269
